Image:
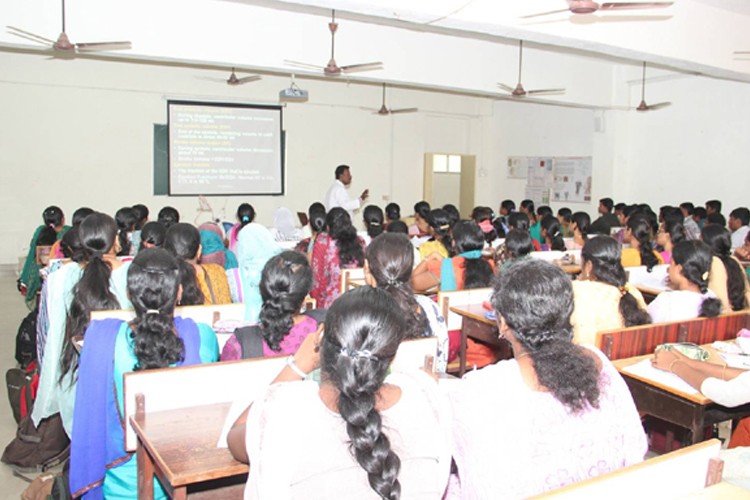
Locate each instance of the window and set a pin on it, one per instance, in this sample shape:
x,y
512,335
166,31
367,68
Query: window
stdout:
x,y
450,164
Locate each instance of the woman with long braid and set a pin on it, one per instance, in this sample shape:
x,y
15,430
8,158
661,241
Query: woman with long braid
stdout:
x,y
357,434
556,414
639,234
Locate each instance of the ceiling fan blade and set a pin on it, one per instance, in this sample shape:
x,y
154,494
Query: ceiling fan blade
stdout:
x,y
545,91
97,46
403,110
659,105
302,65
248,79
544,14
28,35
365,108
742,52
634,5
506,88
350,68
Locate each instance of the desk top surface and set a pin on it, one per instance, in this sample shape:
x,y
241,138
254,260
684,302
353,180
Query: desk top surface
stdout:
x,y
473,311
699,398
183,443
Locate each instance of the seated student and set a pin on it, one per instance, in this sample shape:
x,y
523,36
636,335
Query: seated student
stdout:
x,y
245,215
284,228
518,246
126,220
743,253
483,217
360,432
388,264
439,229
688,278
154,339
468,269
56,252
516,220
392,213
398,227
726,278
580,225
255,246
641,252
699,216
715,218
373,218
453,214
201,283
420,228
603,300
670,233
606,220
337,247
96,282
213,250
285,282
565,218
507,207
556,414
551,233
152,235
28,283
527,207
739,218
316,221
168,216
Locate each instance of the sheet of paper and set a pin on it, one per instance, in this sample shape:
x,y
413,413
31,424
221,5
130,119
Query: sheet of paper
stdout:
x,y
645,370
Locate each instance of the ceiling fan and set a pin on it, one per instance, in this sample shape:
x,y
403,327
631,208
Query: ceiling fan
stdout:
x,y
332,68
648,107
588,7
234,80
385,110
519,91
64,44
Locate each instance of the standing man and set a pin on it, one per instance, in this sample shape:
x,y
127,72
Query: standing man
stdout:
x,y
337,195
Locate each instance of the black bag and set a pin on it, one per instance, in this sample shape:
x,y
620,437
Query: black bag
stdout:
x,y
22,384
38,449
26,339
250,338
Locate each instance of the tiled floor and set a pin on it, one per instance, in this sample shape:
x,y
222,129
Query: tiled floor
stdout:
x,y
12,311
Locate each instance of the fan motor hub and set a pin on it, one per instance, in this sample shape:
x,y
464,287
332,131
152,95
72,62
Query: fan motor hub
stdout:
x,y
583,7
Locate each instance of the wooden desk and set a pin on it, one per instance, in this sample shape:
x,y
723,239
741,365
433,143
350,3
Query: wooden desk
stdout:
x,y
476,326
691,411
179,446
571,268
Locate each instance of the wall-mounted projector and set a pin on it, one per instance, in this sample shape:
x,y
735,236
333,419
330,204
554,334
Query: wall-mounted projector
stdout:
x,y
293,94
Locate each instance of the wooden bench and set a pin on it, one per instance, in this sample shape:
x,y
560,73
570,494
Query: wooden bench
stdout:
x,y
673,475
455,321
638,340
351,277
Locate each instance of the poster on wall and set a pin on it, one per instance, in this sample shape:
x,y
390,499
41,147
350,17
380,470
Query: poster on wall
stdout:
x,y
565,179
518,167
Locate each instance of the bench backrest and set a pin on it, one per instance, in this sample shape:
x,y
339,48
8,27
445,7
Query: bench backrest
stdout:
x,y
639,340
351,274
655,280
673,475
411,353
446,300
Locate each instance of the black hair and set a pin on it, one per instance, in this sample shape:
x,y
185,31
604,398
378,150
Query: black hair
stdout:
x,y
543,211
340,170
422,208
719,241
715,205
508,205
81,214
53,216
92,293
582,222
630,210
168,216
153,281
468,237
518,243
126,220
481,214
535,298
398,226
390,258
245,214
551,227
742,214
316,215
373,217
182,241
566,214
606,267
392,211
285,282
688,207
154,234
673,226
141,213
440,222
716,218
620,206
46,237
363,332
519,220
71,245
641,231
453,214
695,258
607,203
339,226
700,212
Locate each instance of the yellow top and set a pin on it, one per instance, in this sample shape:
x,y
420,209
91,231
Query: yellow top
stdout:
x,y
429,247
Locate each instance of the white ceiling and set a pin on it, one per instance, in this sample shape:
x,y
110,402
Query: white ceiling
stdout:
x,y
454,45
